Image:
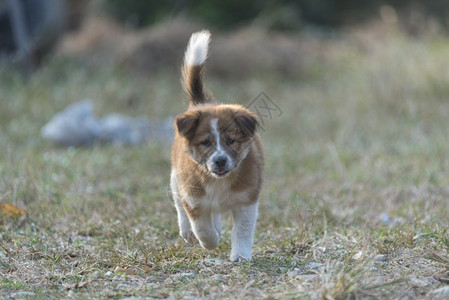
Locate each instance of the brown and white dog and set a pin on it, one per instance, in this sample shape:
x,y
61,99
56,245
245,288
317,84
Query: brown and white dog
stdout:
x,y
217,162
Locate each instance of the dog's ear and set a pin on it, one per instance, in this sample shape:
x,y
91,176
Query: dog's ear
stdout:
x,y
187,123
247,121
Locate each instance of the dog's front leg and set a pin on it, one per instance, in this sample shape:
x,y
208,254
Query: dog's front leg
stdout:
x,y
245,218
204,229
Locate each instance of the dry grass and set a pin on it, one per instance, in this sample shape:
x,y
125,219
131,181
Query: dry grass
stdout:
x,y
354,205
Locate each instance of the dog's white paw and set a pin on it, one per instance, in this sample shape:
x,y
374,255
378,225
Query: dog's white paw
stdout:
x,y
240,252
240,258
240,255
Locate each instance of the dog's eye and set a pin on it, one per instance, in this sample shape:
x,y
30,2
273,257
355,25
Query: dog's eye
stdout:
x,y
206,143
229,141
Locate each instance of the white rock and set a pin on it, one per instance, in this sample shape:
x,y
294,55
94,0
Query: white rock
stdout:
x,y
119,129
77,126
380,257
108,274
358,255
74,126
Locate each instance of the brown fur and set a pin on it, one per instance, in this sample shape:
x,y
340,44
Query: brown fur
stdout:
x,y
193,213
192,82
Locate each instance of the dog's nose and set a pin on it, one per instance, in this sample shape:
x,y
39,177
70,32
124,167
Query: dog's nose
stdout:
x,y
220,161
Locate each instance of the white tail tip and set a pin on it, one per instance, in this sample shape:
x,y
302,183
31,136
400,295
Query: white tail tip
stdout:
x,y
196,52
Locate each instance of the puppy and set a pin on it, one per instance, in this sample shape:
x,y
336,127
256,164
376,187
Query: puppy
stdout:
x,y
217,162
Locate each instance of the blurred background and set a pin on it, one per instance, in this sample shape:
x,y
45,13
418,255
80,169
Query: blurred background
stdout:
x,y
261,35
347,69
358,77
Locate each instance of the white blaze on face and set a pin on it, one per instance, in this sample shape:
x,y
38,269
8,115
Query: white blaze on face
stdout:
x,y
219,151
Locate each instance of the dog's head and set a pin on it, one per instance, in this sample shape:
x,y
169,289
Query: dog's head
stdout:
x,y
217,136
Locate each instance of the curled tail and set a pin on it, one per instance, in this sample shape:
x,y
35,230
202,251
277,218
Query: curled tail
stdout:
x,y
193,68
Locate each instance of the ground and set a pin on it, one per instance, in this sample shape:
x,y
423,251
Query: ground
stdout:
x,y
354,203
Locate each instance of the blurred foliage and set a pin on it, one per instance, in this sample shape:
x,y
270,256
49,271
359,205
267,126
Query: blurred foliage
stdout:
x,y
280,14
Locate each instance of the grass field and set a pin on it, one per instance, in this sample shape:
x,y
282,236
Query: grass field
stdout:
x,y
355,202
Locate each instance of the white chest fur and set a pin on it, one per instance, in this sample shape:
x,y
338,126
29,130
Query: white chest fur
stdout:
x,y
219,197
